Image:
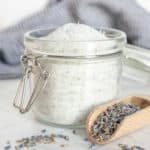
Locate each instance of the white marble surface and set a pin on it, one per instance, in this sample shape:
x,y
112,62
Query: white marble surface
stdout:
x,y
14,126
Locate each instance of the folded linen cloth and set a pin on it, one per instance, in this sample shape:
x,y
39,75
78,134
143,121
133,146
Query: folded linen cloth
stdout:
x,y
125,15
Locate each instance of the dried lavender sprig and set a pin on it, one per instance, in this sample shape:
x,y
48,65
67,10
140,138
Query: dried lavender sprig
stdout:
x,y
61,136
126,147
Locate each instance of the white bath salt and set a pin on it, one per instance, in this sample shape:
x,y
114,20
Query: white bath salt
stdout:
x,y
75,32
76,40
76,86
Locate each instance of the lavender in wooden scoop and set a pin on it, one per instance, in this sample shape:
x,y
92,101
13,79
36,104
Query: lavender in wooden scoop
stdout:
x,y
107,122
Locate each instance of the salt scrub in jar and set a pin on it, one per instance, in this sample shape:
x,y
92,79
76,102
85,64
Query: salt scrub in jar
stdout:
x,y
84,66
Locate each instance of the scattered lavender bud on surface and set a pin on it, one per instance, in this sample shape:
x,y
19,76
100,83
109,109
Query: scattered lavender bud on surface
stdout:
x,y
74,131
34,140
86,139
137,148
7,147
43,131
123,147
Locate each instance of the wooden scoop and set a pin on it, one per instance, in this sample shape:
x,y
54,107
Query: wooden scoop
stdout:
x,y
130,123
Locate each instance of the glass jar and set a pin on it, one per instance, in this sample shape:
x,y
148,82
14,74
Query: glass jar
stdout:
x,y
82,75
136,63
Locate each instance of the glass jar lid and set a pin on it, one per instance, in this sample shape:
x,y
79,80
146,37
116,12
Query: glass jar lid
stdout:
x,y
111,42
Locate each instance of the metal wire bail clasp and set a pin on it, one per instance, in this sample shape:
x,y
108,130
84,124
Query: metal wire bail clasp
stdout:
x,y
29,90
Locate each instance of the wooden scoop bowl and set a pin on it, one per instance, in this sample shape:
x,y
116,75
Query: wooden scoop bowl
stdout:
x,y
130,123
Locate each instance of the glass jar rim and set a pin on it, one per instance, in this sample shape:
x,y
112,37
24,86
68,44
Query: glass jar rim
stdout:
x,y
35,42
